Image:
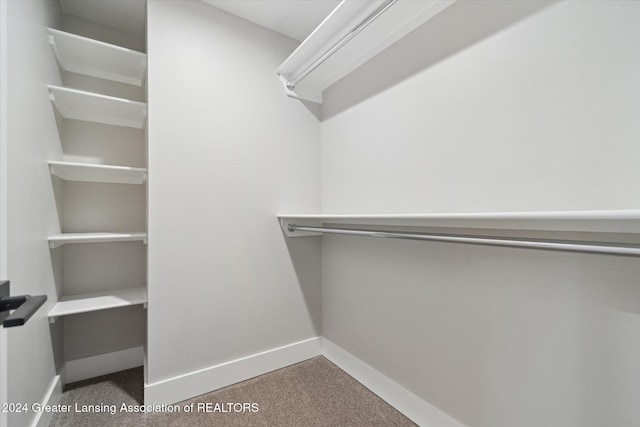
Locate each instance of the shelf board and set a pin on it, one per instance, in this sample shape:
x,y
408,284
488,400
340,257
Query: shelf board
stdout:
x,y
84,172
96,301
397,21
67,238
598,221
92,107
97,59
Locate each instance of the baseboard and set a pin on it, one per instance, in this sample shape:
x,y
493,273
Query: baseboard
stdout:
x,y
203,381
413,407
51,397
195,383
103,364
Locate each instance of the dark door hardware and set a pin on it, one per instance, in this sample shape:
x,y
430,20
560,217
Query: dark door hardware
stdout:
x,y
24,306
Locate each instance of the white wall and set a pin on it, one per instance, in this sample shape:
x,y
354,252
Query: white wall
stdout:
x,y
93,30
32,139
227,152
540,115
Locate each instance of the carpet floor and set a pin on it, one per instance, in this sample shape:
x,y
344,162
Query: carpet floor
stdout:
x,y
312,393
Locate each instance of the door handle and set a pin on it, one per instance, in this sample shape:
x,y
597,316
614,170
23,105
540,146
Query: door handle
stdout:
x,y
24,305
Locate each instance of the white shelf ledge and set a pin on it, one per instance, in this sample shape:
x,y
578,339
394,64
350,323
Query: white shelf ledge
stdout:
x,y
397,21
97,59
84,172
92,107
602,221
67,238
96,301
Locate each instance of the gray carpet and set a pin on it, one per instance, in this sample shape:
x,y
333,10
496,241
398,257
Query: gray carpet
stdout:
x,y
311,393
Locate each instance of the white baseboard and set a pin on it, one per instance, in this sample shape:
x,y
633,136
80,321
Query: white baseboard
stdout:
x,y
413,407
103,364
205,380
51,397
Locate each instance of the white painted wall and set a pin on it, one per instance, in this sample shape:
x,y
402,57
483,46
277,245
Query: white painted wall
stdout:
x,y
540,115
4,367
104,87
94,30
227,151
31,139
102,144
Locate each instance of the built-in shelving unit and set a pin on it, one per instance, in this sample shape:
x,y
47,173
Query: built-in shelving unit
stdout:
x,y
95,301
93,107
101,276
84,172
97,59
603,221
352,34
68,238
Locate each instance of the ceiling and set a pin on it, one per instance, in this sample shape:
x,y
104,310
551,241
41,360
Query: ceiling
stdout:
x,y
123,15
293,18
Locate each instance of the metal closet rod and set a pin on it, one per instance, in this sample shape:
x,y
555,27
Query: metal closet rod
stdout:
x,y
452,238
291,84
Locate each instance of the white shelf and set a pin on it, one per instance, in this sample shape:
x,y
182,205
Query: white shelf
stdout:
x,y
84,172
96,301
397,21
92,107
97,59
603,221
67,238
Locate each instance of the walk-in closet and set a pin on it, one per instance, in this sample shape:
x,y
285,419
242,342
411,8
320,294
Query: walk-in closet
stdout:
x,y
319,212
